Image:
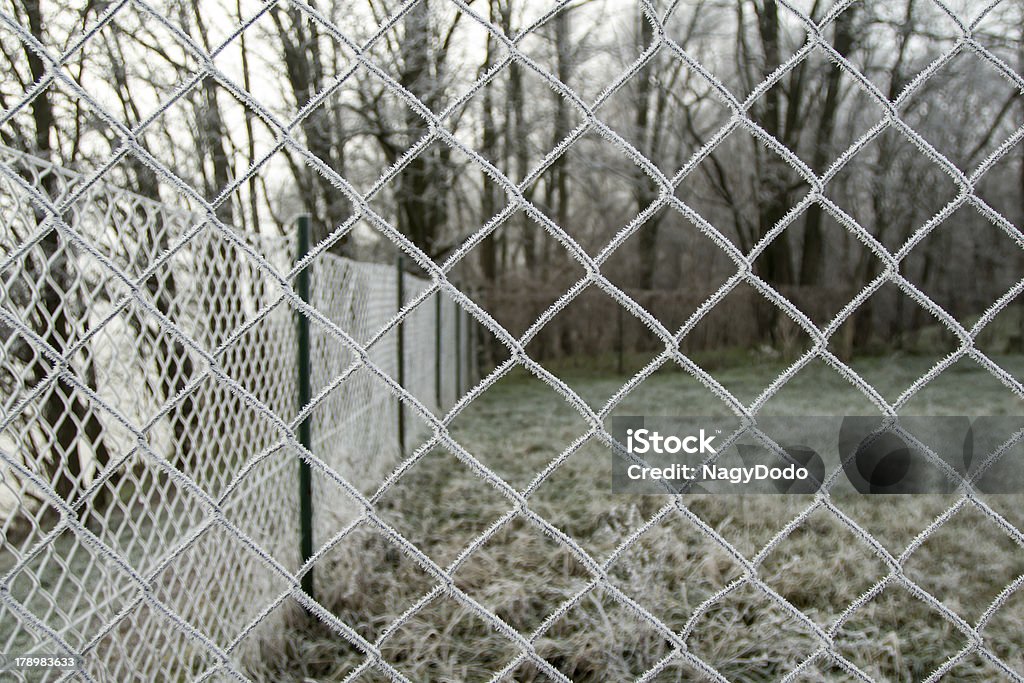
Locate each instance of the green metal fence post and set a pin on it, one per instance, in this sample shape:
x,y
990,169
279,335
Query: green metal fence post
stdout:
x,y
621,365
458,351
305,394
400,331
471,365
438,395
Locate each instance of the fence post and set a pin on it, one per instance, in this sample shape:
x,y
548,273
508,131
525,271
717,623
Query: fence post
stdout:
x,y
400,332
471,366
438,395
458,351
622,343
305,394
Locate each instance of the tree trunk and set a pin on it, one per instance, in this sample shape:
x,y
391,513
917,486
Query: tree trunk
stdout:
x,y
304,70
812,261
423,186
644,190
58,302
489,149
556,190
775,264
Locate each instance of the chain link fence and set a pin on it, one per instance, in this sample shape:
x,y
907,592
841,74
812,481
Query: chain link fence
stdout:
x,y
122,433
150,425
115,439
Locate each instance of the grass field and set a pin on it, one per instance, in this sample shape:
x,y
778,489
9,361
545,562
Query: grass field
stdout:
x,y
520,425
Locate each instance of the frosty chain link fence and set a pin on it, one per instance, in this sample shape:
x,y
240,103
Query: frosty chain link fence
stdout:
x,y
216,376
109,503
108,478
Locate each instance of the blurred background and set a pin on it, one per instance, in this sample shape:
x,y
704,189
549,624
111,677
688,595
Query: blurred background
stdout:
x,y
302,76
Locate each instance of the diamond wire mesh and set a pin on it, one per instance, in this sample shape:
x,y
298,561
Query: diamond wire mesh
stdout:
x,y
91,515
354,424
153,409
116,621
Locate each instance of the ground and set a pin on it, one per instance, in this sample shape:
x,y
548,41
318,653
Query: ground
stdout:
x,y
519,426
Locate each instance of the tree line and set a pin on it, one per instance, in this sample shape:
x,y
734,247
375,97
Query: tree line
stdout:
x,y
586,108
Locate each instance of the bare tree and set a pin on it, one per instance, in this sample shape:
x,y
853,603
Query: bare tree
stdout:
x,y
322,129
54,308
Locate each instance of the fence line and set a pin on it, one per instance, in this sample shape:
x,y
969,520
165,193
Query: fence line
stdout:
x,y
94,478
